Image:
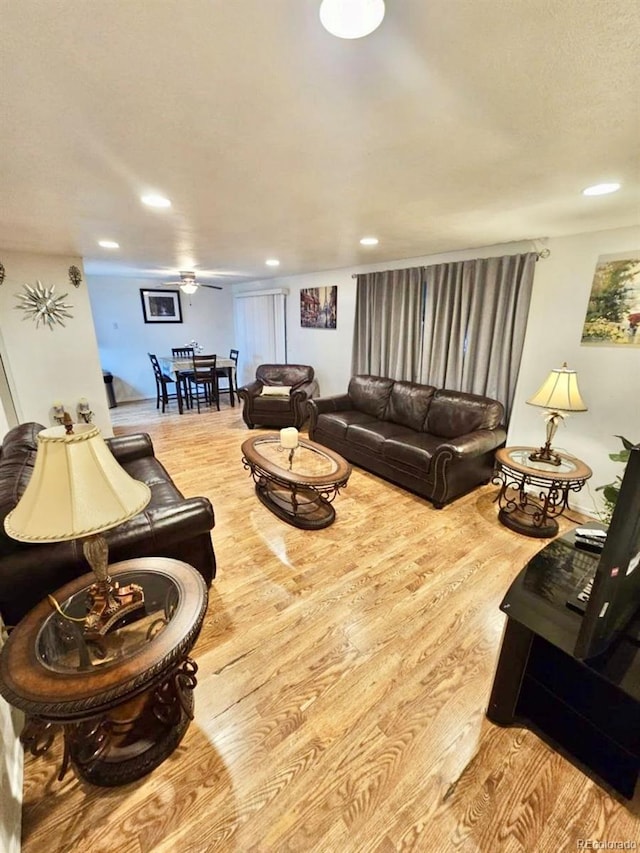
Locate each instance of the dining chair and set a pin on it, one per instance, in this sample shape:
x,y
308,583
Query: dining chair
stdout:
x,y
230,385
184,352
162,383
204,379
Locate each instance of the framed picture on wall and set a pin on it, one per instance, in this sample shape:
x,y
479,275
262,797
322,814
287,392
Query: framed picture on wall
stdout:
x,y
613,312
319,307
161,306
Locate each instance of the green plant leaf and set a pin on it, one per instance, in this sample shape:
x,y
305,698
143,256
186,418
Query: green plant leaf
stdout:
x,y
622,456
610,493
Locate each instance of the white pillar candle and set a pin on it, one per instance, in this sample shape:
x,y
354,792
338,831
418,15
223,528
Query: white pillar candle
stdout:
x,y
289,437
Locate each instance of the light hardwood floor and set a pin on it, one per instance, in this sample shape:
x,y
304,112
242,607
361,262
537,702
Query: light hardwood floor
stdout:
x,y
343,680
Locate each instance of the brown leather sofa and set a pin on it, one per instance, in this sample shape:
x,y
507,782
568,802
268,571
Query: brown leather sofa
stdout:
x,y
170,526
286,409
437,443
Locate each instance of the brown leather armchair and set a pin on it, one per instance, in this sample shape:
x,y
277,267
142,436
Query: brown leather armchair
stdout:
x,y
278,395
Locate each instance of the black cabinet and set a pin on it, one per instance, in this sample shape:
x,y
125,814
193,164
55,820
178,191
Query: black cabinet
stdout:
x,y
588,709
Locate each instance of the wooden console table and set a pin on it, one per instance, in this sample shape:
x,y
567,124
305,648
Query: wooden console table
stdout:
x,y
123,701
532,494
590,709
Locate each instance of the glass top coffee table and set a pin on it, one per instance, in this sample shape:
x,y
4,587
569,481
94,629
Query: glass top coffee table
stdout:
x,y
297,486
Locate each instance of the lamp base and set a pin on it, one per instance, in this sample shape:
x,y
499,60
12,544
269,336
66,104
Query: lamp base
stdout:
x,y
108,602
546,454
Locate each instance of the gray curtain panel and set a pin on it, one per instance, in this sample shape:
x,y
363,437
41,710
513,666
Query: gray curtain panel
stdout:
x,y
387,336
475,319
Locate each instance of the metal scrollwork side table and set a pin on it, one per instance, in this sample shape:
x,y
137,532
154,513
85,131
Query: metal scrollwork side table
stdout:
x,y
124,700
533,494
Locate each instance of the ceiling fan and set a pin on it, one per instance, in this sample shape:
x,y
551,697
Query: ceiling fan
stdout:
x,y
189,284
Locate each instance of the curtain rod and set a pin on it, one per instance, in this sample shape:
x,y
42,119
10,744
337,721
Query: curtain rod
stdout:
x,y
543,253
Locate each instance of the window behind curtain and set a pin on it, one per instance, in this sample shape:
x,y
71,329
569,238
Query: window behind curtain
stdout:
x,y
260,326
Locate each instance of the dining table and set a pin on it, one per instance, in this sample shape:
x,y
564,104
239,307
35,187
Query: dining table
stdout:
x,y
179,367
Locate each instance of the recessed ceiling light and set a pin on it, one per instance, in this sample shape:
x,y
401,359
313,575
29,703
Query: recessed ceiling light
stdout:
x,y
369,241
155,201
272,262
601,189
108,244
351,19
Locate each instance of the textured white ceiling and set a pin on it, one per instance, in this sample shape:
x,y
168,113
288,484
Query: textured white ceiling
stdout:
x,y
459,123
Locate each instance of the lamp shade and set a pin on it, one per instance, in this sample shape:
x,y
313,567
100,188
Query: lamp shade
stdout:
x,y
351,19
77,489
559,392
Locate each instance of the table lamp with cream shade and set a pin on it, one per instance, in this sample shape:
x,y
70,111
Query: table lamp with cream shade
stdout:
x,y
558,394
77,491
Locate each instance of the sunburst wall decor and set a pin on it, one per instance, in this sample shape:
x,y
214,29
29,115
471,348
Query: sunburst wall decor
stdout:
x,y
40,304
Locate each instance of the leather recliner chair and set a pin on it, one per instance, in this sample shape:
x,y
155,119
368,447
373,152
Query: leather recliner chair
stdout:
x,y
278,395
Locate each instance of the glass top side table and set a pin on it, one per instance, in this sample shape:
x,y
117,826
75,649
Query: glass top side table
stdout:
x,y
533,494
62,647
123,700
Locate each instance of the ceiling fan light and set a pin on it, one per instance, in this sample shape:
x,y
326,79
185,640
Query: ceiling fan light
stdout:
x,y
188,288
351,19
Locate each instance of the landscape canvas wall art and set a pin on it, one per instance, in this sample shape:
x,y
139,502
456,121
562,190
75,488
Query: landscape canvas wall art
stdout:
x,y
613,312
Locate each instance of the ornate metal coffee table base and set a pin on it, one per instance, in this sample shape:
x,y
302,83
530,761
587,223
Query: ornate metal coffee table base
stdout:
x,y
302,507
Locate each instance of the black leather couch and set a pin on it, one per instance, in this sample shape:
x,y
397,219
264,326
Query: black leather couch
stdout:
x,y
437,443
287,409
170,526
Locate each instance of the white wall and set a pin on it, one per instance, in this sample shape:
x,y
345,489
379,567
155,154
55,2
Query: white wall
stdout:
x,y
124,339
609,377
42,365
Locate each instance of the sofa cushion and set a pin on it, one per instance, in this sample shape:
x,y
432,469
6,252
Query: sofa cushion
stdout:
x,y
370,394
453,413
411,450
335,424
266,406
292,375
409,404
372,434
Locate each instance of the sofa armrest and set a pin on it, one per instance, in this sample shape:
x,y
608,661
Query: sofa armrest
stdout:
x,y
162,526
322,405
306,391
126,448
336,403
474,443
252,389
